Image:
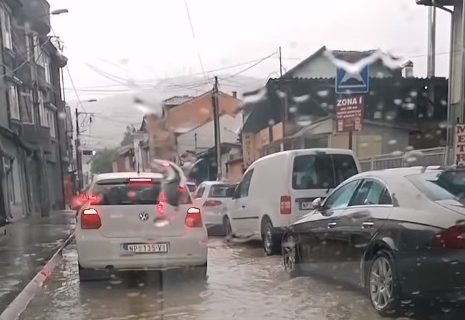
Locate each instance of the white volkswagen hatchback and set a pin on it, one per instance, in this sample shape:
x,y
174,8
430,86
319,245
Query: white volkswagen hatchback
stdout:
x,y
133,221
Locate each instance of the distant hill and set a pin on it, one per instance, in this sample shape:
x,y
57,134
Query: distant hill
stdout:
x,y
113,114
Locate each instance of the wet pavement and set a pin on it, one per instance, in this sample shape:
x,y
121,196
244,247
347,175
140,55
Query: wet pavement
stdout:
x,y
26,247
242,284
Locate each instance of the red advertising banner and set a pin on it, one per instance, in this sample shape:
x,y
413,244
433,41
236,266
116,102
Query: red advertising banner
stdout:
x,y
460,145
349,113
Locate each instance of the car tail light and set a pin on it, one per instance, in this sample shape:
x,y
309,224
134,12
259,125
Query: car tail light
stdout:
x,y
451,238
90,219
212,203
193,218
285,205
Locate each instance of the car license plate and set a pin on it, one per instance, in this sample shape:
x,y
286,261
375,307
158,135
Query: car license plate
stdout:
x,y
305,205
146,247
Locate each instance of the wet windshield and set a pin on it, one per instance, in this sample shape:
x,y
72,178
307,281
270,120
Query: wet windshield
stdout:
x,y
232,159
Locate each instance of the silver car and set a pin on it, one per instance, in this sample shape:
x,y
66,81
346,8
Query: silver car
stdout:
x,y
132,222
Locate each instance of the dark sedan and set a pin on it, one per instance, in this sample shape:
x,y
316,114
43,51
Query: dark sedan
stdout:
x,y
398,233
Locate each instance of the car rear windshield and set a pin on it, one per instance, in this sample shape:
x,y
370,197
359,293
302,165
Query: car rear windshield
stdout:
x,y
441,185
219,191
322,171
126,192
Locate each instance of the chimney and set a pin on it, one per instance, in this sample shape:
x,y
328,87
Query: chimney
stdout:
x,y
407,69
234,94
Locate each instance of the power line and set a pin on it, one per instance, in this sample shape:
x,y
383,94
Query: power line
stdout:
x,y
251,66
193,36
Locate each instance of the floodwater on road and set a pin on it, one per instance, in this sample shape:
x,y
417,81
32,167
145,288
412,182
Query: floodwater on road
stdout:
x,y
242,283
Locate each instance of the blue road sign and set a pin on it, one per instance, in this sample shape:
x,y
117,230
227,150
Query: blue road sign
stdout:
x,y
348,83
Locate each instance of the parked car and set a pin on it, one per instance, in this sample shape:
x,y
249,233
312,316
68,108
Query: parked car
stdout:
x,y
278,189
140,221
213,198
398,233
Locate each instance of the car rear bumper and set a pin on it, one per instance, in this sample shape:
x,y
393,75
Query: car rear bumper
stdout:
x,y
436,273
98,252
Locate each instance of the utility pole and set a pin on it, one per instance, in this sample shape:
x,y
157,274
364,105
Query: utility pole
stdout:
x,y
216,122
78,153
431,41
284,99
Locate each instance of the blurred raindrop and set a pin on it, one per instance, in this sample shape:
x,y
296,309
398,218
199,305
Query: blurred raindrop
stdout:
x,y
133,294
444,125
409,106
304,121
160,223
443,102
301,99
391,115
398,102
377,115
253,98
324,105
397,153
271,122
61,115
413,94
392,141
281,94
292,109
323,93
363,144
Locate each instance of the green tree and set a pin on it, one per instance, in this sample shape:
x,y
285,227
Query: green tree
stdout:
x,y
128,137
102,161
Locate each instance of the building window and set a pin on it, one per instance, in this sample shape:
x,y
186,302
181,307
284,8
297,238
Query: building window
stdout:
x,y
29,43
6,29
13,101
51,122
42,114
27,107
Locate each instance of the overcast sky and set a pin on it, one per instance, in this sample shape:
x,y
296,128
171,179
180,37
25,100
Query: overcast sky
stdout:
x,y
151,39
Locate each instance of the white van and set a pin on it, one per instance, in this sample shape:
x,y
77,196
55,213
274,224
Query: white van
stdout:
x,y
278,189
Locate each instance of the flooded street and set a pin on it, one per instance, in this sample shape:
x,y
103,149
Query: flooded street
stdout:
x,y
242,284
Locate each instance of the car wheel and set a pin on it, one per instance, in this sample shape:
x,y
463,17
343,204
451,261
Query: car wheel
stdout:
x,y
227,229
382,284
270,242
290,255
92,275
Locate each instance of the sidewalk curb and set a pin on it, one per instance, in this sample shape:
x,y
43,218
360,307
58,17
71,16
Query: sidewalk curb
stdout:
x,y
20,303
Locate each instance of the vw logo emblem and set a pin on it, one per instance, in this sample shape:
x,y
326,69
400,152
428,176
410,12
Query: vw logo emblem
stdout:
x,y
144,216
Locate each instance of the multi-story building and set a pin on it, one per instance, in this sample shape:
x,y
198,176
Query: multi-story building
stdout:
x,y
34,130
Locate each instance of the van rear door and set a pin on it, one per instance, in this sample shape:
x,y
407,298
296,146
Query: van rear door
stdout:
x,y
315,175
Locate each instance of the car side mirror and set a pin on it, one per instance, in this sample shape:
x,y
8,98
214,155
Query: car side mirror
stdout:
x,y
317,204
